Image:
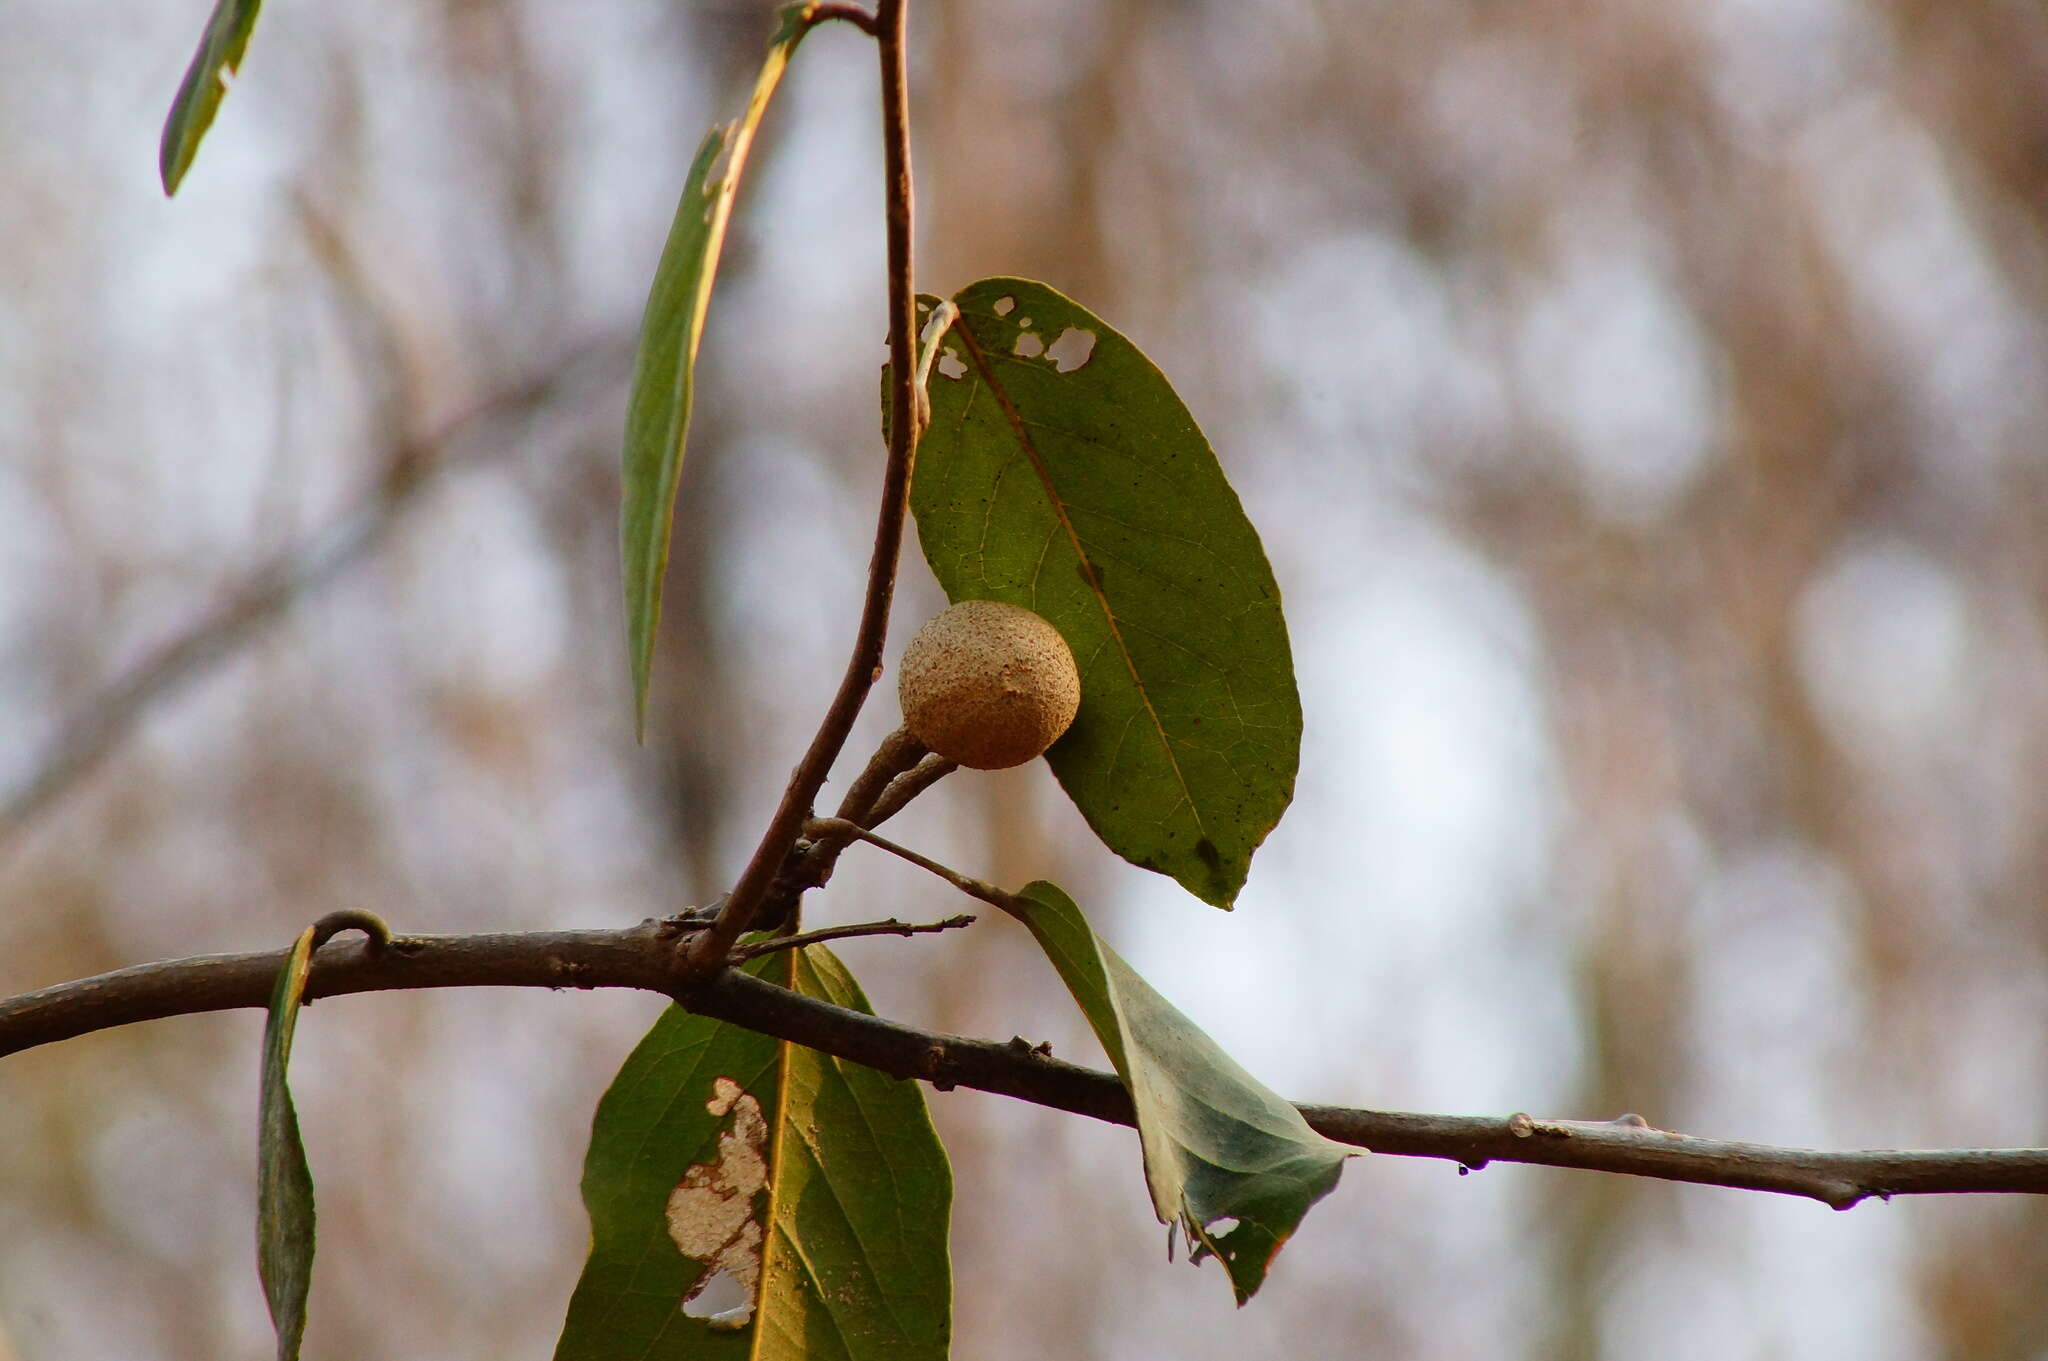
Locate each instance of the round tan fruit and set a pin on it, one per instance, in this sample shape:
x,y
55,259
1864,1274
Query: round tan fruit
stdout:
x,y
988,685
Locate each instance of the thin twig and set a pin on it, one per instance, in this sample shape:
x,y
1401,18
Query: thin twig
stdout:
x,y
710,949
899,754
643,957
906,787
973,888
106,719
892,927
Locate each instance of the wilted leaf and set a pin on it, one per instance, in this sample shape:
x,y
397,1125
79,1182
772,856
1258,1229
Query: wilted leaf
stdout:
x,y
815,1187
1062,473
664,375
206,83
1231,1163
284,1184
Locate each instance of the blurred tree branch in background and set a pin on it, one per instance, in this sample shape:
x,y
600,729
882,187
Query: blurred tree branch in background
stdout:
x,y
410,465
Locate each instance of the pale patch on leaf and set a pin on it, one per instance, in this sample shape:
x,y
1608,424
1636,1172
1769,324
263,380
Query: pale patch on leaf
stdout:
x,y
712,1216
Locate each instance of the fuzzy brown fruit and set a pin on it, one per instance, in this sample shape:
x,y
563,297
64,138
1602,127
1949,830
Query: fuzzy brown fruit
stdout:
x,y
988,685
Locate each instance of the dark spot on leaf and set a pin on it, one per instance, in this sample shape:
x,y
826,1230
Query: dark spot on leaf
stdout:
x,y
1091,575
1211,858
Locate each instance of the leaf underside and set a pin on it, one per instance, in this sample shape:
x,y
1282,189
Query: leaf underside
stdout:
x,y
1229,1161
664,374
284,1184
1072,481
846,1228
205,84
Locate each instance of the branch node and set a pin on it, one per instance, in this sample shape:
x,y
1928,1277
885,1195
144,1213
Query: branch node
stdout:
x,y
938,1066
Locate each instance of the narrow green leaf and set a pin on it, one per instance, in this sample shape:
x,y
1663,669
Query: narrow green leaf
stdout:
x,y
1062,473
816,1187
284,1184
1231,1163
206,83
664,375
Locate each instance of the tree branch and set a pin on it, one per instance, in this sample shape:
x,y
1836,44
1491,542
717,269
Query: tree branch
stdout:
x,y
646,957
751,890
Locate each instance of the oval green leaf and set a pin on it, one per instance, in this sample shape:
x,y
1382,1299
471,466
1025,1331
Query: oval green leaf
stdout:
x,y
284,1184
817,1187
664,374
206,83
1229,1162
1062,473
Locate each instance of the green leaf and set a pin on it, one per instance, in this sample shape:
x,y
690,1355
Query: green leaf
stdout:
x,y
284,1184
664,375
1090,496
206,83
1231,1163
816,1183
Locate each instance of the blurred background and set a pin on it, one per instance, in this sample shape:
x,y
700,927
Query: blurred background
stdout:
x,y
1643,406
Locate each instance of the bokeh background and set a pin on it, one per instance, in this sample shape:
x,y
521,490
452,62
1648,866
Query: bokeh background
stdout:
x,y
1643,405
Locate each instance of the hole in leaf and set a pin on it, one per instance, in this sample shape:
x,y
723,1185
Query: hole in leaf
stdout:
x,y
1221,1227
1004,305
1028,345
1023,323
1072,349
951,366
721,1299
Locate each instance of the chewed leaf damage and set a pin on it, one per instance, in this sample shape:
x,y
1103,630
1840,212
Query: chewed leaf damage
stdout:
x,y
713,1212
